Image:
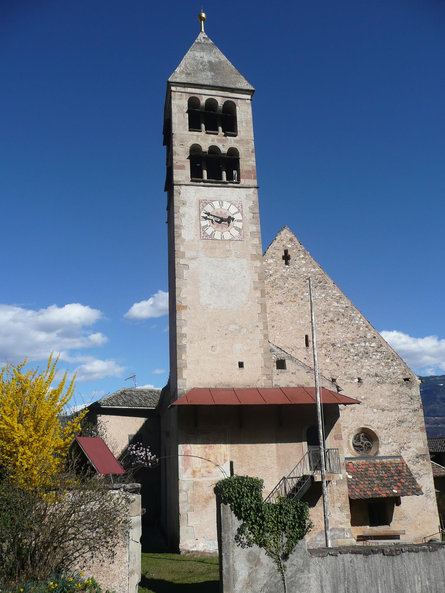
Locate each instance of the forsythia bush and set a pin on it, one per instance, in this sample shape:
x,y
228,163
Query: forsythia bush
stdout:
x,y
33,440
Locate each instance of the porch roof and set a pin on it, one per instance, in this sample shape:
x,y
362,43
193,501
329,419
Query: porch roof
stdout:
x,y
380,477
100,456
259,396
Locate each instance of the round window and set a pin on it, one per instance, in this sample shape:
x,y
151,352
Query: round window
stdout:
x,y
365,442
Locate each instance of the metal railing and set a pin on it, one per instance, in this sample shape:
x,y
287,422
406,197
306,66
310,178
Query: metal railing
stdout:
x,y
301,477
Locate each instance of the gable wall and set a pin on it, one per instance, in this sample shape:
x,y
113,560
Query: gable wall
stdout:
x,y
349,348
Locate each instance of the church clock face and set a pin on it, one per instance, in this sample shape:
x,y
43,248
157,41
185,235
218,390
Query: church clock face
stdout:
x,y
221,220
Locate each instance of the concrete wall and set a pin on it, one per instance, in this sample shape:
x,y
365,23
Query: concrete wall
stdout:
x,y
122,573
117,430
360,569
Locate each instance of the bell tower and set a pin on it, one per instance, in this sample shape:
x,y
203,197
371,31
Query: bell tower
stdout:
x,y
218,323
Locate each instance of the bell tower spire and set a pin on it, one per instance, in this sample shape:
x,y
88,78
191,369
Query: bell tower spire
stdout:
x,y
217,308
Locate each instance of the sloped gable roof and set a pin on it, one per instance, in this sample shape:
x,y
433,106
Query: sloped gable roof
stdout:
x,y
436,444
438,470
131,397
100,456
205,65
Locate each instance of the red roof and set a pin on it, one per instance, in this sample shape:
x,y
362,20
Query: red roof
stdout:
x,y
259,396
382,477
102,459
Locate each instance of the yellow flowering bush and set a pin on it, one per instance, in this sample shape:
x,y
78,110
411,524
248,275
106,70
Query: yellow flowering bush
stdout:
x,y
33,440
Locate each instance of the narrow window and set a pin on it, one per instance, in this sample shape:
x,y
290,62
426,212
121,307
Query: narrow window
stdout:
x,y
211,116
280,363
194,114
231,162
214,165
228,119
306,341
195,162
240,364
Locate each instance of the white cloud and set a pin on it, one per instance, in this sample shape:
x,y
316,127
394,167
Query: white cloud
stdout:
x,y
96,369
147,386
425,355
158,371
155,306
34,334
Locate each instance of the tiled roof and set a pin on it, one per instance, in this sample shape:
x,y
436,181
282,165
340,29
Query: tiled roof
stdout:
x,y
436,445
438,470
130,397
380,477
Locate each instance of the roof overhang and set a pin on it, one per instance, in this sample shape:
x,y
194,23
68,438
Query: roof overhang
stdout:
x,y
260,396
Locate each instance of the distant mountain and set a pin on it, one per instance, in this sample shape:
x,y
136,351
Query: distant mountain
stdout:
x,y
432,390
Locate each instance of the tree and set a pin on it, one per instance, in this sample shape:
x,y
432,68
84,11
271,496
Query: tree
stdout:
x,y
34,441
51,519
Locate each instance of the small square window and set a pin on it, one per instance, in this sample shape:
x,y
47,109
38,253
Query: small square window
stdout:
x,y
240,364
280,363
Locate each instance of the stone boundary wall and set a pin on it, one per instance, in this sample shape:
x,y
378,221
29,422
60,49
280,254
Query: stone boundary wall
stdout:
x,y
416,568
123,573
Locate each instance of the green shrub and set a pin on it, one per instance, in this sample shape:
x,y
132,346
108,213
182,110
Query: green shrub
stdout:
x,y
274,527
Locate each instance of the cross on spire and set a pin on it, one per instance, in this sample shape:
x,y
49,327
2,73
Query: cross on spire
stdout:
x,y
286,257
202,18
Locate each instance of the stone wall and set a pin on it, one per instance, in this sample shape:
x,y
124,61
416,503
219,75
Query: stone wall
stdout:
x,y
122,573
360,569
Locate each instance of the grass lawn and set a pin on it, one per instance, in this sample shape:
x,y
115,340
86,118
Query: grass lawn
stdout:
x,y
172,573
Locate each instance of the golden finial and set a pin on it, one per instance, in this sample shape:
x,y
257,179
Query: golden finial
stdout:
x,y
202,18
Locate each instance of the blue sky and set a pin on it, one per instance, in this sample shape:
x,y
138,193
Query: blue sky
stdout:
x,y
350,139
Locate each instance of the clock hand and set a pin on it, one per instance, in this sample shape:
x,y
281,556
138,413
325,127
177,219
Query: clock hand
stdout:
x,y
218,219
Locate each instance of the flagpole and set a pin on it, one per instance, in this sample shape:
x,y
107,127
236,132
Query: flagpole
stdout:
x,y
320,424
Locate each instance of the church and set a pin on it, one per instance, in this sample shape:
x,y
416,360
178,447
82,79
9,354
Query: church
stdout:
x,y
241,393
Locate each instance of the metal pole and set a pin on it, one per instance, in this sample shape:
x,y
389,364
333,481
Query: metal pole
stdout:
x,y
320,424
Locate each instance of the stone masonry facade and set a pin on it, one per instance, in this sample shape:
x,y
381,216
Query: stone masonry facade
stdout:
x,y
355,357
